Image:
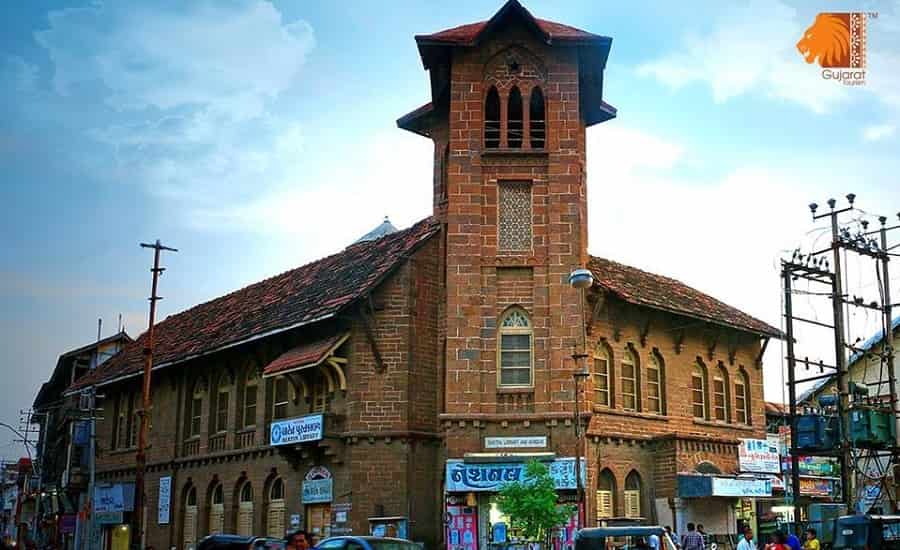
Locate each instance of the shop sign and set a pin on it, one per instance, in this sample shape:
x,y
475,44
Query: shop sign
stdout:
x,y
759,455
524,442
318,486
108,518
470,477
165,498
740,487
297,430
815,487
109,498
814,466
340,515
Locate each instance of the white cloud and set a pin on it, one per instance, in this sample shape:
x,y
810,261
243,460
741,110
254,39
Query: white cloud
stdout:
x,y
750,50
878,132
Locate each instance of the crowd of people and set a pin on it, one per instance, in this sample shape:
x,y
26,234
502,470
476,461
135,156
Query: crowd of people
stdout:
x,y
696,539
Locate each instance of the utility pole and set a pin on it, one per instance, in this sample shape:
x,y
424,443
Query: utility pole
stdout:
x,y
887,345
141,459
792,384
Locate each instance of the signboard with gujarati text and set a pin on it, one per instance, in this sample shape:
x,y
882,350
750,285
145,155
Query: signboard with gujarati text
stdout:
x,y
297,430
464,477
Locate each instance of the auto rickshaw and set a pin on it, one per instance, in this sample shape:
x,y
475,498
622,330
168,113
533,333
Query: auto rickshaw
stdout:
x,y
622,538
868,532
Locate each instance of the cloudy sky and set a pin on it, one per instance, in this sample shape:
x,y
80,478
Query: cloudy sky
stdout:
x,y
256,136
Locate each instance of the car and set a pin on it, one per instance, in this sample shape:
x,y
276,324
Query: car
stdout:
x,y
239,542
366,543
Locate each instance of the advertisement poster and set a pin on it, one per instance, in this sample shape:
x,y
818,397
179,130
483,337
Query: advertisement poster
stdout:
x,y
165,499
759,456
565,537
462,527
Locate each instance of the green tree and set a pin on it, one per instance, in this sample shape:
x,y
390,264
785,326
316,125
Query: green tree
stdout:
x,y
531,505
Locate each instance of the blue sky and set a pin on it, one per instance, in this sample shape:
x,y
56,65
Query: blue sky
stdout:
x,y
256,136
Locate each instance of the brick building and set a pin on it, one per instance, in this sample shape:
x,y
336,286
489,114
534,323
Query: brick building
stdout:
x,y
392,386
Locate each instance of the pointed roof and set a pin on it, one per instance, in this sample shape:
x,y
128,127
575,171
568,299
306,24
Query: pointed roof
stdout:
x,y
384,228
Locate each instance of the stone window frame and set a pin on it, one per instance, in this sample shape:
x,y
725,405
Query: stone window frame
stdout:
x,y
512,331
698,371
512,184
742,379
656,368
602,352
630,358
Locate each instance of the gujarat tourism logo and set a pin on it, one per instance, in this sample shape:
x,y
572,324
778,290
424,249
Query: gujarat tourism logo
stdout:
x,y
838,42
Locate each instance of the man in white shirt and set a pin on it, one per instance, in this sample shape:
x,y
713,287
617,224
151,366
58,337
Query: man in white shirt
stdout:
x,y
746,542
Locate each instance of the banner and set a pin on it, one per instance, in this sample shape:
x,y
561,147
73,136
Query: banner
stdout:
x,y
297,430
491,476
165,500
759,456
109,498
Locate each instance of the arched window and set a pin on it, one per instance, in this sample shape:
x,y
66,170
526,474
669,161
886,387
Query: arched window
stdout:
x,y
698,390
631,383
606,494
514,121
248,408
742,398
537,124
633,495
196,411
217,510
222,400
655,385
281,389
190,518
275,515
720,395
515,349
245,510
603,391
492,119
707,468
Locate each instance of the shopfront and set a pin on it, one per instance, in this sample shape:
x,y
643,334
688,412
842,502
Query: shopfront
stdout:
x,y
473,519
720,503
318,493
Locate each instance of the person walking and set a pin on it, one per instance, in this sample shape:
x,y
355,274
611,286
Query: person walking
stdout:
x,y
793,542
746,542
812,542
692,539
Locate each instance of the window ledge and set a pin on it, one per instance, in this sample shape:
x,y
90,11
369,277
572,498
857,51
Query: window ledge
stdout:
x,y
631,414
126,450
718,424
514,389
513,152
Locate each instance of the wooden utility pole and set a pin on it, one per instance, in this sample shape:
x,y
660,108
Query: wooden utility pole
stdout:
x,y
141,458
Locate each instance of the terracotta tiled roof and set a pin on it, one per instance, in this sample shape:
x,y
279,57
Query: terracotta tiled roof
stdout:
x,y
465,34
304,355
648,289
304,295
777,409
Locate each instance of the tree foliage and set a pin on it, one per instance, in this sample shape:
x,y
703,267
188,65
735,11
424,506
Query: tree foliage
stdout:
x,y
531,505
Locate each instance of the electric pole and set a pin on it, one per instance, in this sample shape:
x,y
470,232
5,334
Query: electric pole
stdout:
x,y
141,458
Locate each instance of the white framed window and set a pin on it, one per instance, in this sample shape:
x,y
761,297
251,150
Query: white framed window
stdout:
x,y
655,385
630,381
698,391
742,398
281,391
515,349
602,377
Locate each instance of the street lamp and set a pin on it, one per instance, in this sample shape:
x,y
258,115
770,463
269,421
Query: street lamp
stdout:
x,y
580,279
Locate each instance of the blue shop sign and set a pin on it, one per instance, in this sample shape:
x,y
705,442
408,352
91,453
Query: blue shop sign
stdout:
x,y
698,486
297,430
464,477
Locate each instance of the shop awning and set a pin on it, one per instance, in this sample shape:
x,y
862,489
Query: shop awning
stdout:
x,y
317,353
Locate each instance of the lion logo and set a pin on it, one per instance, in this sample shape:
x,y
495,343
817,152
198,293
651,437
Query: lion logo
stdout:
x,y
836,40
828,40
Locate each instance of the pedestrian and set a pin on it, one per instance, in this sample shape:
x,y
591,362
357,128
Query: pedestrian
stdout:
x,y
793,542
298,540
746,542
692,540
812,542
776,541
653,541
673,536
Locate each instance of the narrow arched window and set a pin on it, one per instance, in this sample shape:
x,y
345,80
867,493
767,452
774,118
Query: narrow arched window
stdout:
x,y
515,349
602,377
276,510
222,401
245,510
514,122
742,398
190,518
698,391
217,510
248,408
280,397
537,124
630,381
633,495
720,395
606,494
492,119
655,385
196,416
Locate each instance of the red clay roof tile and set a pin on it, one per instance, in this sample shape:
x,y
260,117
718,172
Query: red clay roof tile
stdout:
x,y
304,295
304,355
